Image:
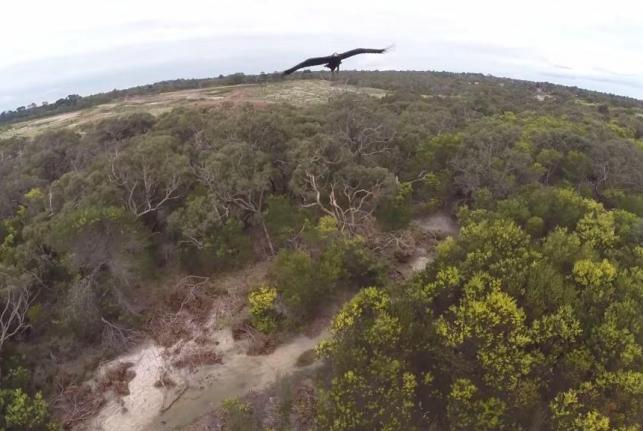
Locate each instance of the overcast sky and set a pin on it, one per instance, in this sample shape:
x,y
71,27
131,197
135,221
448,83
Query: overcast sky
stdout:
x,y
51,48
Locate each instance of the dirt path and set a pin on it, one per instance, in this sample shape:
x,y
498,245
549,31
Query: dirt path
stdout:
x,y
235,377
153,408
196,392
135,410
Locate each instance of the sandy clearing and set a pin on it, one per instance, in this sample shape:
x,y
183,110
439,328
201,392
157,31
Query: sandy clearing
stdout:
x,y
199,391
238,375
296,92
135,410
151,408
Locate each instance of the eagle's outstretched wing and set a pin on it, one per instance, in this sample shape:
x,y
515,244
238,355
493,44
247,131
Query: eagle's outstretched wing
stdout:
x,y
357,51
315,61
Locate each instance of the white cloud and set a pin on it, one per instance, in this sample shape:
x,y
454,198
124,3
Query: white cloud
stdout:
x,y
46,42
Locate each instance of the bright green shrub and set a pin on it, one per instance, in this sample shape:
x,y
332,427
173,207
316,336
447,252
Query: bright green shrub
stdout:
x,y
263,308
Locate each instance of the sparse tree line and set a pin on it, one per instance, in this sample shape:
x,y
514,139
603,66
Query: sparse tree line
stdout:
x,y
528,316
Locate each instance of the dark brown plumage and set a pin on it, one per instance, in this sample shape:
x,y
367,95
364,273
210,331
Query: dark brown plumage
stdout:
x,y
333,61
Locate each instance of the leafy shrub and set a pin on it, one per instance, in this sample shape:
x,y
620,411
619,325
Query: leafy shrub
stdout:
x,y
395,212
295,277
22,412
208,242
263,308
19,410
93,236
306,358
283,219
535,226
500,323
307,280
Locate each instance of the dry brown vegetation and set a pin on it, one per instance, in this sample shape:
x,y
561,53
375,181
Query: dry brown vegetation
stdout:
x,y
197,357
187,304
117,379
76,403
165,381
195,306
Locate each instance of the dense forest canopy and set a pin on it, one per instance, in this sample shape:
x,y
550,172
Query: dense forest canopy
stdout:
x,y
529,319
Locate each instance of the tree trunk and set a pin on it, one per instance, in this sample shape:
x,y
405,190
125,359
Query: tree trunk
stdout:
x,y
268,240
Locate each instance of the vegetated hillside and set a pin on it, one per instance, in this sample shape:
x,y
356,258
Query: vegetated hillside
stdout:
x,y
297,92
429,83
529,319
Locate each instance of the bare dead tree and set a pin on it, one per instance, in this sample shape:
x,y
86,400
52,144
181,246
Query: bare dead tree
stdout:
x,y
118,336
13,315
398,241
145,191
351,206
369,141
150,174
363,133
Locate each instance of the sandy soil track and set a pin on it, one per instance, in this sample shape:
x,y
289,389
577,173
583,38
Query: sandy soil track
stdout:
x,y
198,391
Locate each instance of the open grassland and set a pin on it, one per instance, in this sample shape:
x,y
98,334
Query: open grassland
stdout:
x,y
299,92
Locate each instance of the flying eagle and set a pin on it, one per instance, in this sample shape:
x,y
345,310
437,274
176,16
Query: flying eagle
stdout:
x,y
333,61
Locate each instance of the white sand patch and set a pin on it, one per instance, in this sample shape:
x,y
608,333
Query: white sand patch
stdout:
x,y
238,375
136,410
418,263
439,224
196,392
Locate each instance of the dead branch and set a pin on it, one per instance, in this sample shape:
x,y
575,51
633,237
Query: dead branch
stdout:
x,y
13,317
76,403
197,357
145,192
350,206
176,398
118,336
